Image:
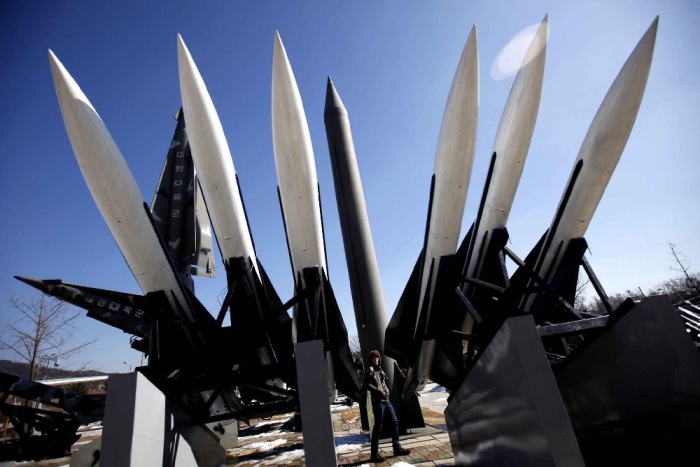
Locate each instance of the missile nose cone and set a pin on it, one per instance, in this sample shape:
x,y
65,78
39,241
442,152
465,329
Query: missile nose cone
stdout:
x,y
57,70
62,80
650,35
279,52
286,100
334,104
52,57
184,59
36,283
473,36
181,47
281,69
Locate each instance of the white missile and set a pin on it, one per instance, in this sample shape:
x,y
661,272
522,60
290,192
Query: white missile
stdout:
x,y
454,159
598,156
296,170
213,161
301,210
115,192
510,147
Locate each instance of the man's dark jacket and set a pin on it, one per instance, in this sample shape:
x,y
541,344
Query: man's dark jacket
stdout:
x,y
375,381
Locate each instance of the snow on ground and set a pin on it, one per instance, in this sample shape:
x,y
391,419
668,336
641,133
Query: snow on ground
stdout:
x,y
266,445
264,423
284,458
349,443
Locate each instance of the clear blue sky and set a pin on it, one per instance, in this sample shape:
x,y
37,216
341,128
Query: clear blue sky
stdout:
x,y
392,63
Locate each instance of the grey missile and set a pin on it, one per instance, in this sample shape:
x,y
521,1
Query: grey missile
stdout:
x,y
363,271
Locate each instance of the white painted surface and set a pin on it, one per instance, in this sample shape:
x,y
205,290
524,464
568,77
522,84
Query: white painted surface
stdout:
x,y
601,149
512,143
296,170
454,159
213,161
79,379
114,190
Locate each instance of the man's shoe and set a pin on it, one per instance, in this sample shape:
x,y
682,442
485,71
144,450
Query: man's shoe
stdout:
x,y
376,458
401,451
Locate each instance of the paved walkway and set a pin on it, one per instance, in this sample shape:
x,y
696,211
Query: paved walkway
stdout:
x,y
273,442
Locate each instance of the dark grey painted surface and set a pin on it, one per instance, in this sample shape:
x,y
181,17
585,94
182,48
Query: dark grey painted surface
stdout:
x,y
117,434
644,363
508,411
363,271
317,426
634,393
86,456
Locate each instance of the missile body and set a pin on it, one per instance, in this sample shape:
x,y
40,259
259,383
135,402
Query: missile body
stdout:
x,y
296,171
213,161
317,316
599,154
510,148
117,195
365,283
261,329
296,174
454,159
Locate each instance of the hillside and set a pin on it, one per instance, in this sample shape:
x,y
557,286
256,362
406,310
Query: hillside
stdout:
x,y
22,370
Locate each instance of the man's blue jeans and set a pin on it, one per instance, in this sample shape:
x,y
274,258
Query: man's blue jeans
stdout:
x,y
380,410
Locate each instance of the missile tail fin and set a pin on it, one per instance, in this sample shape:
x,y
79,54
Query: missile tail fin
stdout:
x,y
124,311
522,276
346,379
179,212
400,333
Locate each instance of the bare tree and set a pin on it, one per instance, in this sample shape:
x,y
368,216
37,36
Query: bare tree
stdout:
x,y
581,291
355,349
682,265
42,331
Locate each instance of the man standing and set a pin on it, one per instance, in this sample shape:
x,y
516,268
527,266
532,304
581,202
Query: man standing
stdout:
x,y
375,382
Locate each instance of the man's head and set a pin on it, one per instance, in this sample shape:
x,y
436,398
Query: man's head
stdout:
x,y
375,357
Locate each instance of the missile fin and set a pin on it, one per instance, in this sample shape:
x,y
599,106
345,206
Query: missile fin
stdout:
x,y
177,215
346,378
523,275
399,335
279,324
124,311
203,263
257,318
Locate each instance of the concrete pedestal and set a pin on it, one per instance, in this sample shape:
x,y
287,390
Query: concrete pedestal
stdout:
x,y
140,429
317,426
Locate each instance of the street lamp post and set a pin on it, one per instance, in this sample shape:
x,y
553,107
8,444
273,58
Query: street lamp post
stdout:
x,y
46,359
